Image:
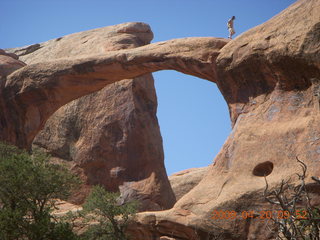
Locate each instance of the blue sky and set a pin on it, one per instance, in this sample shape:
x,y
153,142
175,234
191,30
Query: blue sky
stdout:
x,y
193,116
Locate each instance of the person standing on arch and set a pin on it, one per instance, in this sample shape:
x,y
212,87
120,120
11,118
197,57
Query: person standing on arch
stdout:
x,y
230,27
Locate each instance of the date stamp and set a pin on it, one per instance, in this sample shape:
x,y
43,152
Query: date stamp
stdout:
x,y
262,215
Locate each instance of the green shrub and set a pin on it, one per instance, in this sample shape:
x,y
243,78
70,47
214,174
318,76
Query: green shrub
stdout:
x,y
111,219
29,188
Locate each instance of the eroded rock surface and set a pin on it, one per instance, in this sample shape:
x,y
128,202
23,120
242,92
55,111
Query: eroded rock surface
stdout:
x,y
117,143
9,63
111,137
269,77
58,82
182,182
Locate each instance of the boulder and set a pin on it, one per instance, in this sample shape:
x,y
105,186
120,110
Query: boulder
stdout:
x,y
182,182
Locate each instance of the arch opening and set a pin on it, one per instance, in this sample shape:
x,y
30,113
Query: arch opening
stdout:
x,y
193,118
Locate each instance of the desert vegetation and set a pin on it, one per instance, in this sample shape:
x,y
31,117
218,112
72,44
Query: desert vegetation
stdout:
x,y
30,187
300,218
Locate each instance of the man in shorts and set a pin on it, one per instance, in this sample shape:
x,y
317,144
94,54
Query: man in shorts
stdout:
x,y
230,27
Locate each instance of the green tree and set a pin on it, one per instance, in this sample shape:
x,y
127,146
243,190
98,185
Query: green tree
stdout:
x,y
29,188
112,218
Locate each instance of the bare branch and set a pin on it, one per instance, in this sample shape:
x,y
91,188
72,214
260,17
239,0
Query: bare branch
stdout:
x,y
317,180
287,197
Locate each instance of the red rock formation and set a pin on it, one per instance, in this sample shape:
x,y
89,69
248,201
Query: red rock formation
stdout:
x,y
112,137
182,182
55,83
9,63
269,77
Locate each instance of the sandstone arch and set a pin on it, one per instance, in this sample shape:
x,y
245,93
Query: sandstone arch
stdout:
x,y
265,76
32,94
57,83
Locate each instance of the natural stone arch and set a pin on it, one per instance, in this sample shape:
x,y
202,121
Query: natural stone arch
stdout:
x,y
59,82
266,81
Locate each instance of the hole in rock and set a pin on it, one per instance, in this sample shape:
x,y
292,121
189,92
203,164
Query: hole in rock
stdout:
x,y
193,118
263,169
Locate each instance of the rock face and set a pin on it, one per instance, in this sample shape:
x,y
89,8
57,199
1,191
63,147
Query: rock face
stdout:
x,y
182,182
36,91
269,77
111,137
9,63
